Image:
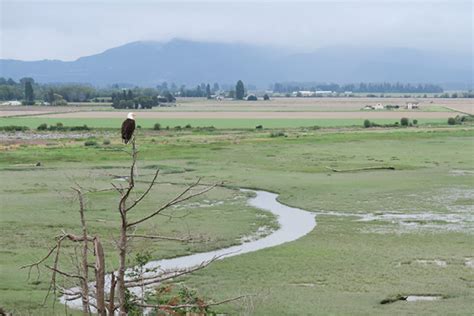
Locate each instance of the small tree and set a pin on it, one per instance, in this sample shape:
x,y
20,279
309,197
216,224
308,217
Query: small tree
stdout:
x,y
266,97
404,121
29,93
170,97
208,91
239,90
367,124
451,121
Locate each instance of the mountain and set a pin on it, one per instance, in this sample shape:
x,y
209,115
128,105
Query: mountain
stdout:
x,y
189,62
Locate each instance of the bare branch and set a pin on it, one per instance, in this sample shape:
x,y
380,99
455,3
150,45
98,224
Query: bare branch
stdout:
x,y
144,193
204,305
171,217
161,237
85,270
111,306
167,275
119,190
174,201
39,261
185,239
65,273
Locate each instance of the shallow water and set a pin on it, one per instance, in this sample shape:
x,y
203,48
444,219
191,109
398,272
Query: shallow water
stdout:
x,y
294,223
417,298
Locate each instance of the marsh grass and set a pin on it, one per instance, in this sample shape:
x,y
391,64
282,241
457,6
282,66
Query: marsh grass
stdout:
x,y
350,268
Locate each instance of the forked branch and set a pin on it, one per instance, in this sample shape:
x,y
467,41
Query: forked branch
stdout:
x,y
178,199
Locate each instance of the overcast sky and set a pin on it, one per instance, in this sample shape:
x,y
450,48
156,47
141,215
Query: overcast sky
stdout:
x,y
66,30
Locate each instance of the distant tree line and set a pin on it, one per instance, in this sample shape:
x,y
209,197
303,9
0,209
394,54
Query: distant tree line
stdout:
x,y
362,87
29,91
135,99
200,91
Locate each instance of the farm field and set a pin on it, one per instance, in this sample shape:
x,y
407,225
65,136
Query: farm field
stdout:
x,y
379,233
187,106
34,122
314,104
278,113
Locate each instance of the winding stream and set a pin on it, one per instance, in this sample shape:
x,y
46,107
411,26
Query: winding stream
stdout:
x,y
293,223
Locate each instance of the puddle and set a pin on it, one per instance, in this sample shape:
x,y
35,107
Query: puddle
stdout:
x,y
462,172
437,262
417,298
469,262
412,298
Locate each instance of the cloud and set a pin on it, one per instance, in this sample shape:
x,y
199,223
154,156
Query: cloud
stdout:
x,y
70,29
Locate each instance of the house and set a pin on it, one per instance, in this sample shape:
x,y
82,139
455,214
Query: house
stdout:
x,y
412,105
303,93
323,92
378,106
12,103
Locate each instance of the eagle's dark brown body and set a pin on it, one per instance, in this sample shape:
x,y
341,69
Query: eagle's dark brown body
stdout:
x,y
128,127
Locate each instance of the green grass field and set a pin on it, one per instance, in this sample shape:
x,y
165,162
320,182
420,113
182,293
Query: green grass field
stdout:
x,y
344,266
34,122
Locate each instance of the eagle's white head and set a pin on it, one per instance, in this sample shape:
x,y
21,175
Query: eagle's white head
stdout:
x,y
131,116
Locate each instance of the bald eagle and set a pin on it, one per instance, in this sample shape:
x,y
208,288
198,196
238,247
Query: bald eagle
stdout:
x,y
128,127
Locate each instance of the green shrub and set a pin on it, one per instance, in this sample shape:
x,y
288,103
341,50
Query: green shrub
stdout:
x,y
14,128
404,121
178,128
58,127
415,122
106,142
206,128
157,127
451,121
42,127
188,126
467,118
259,127
367,124
90,142
79,128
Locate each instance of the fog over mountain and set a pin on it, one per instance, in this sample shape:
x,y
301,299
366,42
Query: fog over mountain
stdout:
x,y
147,63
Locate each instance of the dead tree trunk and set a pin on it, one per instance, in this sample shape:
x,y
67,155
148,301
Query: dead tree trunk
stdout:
x,y
122,243
119,284
100,277
85,265
122,267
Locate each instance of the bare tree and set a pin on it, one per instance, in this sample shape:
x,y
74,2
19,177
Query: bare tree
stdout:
x,y
108,295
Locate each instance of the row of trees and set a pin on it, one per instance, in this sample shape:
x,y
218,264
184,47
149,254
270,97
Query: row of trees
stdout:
x,y
128,99
384,87
29,91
